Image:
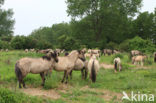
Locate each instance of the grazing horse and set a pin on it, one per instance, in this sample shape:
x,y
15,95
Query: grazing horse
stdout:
x,y
93,67
116,52
67,63
107,51
139,58
45,51
117,63
6,50
32,50
26,50
34,65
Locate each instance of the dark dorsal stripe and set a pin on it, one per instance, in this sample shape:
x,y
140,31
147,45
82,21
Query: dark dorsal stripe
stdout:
x,y
46,57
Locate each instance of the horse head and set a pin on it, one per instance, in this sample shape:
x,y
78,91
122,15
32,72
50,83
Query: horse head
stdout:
x,y
81,55
54,56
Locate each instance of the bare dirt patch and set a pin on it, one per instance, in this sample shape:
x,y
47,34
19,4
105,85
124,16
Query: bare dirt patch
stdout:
x,y
52,94
106,94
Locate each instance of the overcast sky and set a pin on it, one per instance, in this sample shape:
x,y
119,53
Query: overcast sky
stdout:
x,y
32,14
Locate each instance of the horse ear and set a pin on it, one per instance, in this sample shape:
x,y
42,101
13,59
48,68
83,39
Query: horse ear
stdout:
x,y
79,51
53,54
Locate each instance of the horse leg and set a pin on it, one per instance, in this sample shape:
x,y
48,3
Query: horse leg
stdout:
x,y
65,72
86,73
20,81
70,74
43,78
82,73
68,71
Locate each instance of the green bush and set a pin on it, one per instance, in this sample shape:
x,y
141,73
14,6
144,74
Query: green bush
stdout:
x,y
112,45
138,43
124,46
142,45
4,45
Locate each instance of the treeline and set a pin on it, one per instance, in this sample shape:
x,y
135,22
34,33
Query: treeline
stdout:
x,y
94,24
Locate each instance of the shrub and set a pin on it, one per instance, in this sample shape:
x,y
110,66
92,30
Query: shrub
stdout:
x,y
112,45
138,43
8,96
142,45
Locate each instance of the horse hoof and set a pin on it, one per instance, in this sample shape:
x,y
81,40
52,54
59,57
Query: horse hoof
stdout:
x,y
42,84
66,82
25,87
62,81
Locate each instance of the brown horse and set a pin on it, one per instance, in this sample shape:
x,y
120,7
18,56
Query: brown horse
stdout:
x,y
34,65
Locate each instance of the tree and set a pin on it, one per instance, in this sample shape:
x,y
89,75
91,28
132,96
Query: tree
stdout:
x,y
145,24
6,21
107,19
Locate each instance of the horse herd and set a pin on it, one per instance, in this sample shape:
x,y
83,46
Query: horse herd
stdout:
x,y
74,60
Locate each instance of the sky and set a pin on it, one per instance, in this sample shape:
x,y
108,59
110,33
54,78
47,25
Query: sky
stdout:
x,y
32,14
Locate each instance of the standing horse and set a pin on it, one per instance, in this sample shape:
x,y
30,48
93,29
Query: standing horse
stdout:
x,y
107,51
80,65
34,65
67,63
135,53
117,63
93,67
139,58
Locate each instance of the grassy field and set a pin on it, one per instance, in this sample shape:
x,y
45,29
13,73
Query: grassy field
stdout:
x,y
107,89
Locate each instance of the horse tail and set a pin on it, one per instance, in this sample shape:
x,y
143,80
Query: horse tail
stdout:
x,y
93,73
18,72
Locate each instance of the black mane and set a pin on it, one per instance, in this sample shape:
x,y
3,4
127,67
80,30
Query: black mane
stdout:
x,y
46,57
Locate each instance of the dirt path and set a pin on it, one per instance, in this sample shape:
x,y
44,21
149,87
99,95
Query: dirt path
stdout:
x,y
52,94
106,94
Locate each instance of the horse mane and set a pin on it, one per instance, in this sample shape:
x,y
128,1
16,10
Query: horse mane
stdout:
x,y
46,57
72,52
66,54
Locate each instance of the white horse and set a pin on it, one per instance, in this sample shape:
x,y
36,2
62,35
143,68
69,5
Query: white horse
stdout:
x,y
67,63
93,67
117,63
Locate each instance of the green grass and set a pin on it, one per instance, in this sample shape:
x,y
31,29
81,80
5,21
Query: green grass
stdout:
x,y
143,80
